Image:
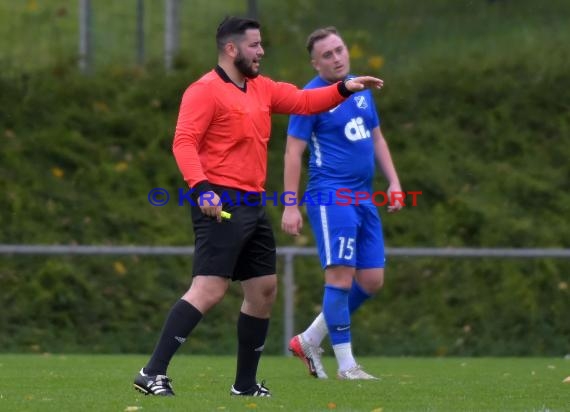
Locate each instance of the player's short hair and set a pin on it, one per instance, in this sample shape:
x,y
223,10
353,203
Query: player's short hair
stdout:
x,y
232,27
320,34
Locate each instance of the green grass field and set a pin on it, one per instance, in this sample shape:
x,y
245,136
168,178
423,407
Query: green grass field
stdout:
x,y
104,383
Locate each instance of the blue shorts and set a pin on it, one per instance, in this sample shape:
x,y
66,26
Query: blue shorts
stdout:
x,y
348,235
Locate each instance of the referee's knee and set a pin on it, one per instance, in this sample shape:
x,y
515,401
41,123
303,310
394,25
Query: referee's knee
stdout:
x,y
266,292
271,293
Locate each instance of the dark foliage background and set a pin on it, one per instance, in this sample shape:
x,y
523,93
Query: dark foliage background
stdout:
x,y
476,109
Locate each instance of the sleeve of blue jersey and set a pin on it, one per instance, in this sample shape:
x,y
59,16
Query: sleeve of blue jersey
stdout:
x,y
375,115
301,126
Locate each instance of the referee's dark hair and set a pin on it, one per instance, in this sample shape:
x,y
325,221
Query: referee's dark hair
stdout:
x,y
232,27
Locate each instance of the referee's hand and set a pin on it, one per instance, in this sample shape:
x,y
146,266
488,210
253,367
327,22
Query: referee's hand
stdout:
x,y
357,84
210,205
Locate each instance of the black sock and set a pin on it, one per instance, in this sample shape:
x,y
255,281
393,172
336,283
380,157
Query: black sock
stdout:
x,y
251,338
183,317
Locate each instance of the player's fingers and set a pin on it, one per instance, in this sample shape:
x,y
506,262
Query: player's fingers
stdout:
x,y
394,208
286,227
293,230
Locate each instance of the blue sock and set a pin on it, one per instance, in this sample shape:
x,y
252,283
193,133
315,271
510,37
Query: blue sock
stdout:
x,y
357,296
337,316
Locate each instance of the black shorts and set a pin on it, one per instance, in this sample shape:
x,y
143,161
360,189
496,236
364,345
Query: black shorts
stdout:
x,y
238,248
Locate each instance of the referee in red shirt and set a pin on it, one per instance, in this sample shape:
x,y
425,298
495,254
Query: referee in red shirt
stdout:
x,y
220,146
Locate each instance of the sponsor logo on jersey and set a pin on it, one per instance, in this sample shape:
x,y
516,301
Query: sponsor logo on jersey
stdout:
x,y
356,130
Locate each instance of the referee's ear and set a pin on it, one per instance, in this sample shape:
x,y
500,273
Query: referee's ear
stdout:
x,y
231,49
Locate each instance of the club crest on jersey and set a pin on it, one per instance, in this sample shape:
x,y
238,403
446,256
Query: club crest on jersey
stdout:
x,y
361,102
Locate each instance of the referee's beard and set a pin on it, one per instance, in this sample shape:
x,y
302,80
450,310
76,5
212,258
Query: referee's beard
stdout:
x,y
245,67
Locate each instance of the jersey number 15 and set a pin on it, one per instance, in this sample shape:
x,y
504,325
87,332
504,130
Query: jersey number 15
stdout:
x,y
346,250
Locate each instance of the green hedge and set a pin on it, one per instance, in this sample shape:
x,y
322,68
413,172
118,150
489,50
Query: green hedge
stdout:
x,y
484,138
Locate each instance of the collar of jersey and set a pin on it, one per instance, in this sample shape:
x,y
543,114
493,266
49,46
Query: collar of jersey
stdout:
x,y
224,76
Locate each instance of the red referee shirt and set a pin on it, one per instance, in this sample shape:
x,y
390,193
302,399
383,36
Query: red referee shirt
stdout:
x,y
222,131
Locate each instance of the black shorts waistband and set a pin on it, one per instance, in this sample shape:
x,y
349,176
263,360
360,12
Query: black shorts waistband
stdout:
x,y
241,197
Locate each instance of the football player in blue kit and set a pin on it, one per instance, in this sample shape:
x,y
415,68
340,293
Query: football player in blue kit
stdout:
x,y
345,146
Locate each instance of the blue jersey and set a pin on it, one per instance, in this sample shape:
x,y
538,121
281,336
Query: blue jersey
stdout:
x,y
340,143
